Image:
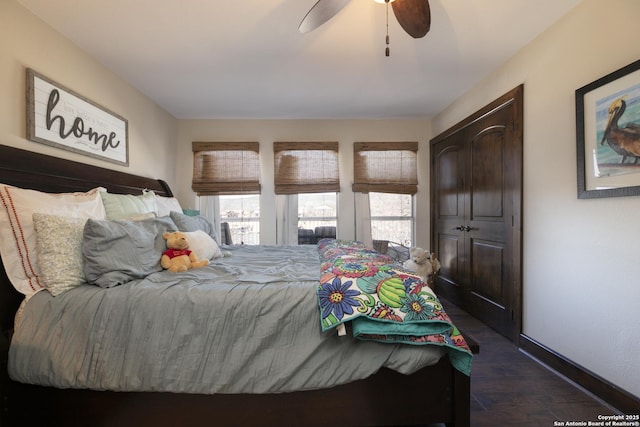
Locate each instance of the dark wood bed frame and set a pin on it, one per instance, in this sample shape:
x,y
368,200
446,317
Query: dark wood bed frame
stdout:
x,y
435,394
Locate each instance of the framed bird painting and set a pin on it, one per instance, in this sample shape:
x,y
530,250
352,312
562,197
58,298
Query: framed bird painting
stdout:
x,y
608,135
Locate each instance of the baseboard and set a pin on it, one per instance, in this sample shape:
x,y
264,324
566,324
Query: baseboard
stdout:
x,y
610,393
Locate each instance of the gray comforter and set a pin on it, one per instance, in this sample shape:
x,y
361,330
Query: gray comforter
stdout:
x,y
248,323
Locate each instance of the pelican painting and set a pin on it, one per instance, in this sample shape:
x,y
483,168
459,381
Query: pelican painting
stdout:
x,y
625,140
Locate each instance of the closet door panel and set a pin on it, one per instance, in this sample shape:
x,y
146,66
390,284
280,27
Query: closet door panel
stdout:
x,y
450,248
450,203
489,224
449,161
487,267
487,177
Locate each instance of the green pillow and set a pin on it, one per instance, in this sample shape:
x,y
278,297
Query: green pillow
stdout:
x,y
125,206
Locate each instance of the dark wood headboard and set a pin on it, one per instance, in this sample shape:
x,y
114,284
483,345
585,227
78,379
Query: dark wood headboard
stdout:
x,y
26,169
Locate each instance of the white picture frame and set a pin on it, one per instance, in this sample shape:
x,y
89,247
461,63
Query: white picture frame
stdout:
x,y
60,117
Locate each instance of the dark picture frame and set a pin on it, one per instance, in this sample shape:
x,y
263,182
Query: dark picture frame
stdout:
x,y
607,113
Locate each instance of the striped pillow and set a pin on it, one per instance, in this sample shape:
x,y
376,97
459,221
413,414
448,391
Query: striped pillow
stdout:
x,y
18,243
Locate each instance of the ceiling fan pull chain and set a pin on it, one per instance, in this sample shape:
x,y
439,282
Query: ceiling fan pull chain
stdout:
x,y
386,51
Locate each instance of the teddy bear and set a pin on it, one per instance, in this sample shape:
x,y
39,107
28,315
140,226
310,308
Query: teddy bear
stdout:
x,y
422,262
178,257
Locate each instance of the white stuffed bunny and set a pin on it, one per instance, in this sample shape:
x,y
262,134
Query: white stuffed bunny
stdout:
x,y
422,262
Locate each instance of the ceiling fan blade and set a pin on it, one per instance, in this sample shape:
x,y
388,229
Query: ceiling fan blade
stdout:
x,y
414,16
320,13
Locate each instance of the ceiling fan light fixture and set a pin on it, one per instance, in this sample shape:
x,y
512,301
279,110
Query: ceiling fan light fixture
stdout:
x,y
414,16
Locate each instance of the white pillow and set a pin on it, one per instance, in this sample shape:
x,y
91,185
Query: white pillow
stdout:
x,y
59,248
165,204
203,245
18,243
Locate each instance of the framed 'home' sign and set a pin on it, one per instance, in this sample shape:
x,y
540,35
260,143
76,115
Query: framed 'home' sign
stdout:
x,y
59,117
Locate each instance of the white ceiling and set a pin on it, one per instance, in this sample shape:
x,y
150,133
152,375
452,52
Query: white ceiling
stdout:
x,y
246,58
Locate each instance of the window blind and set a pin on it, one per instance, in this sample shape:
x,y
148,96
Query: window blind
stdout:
x,y
224,168
306,167
385,167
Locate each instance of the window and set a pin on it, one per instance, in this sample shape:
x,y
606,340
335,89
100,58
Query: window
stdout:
x,y
226,177
225,168
385,167
306,167
392,217
318,210
306,176
387,172
242,213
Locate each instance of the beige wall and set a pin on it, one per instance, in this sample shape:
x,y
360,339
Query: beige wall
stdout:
x,y
581,269
26,42
346,132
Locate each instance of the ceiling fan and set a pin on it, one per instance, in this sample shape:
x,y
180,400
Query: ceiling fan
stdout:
x,y
414,16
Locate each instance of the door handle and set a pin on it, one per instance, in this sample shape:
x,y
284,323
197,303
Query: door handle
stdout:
x,y
463,228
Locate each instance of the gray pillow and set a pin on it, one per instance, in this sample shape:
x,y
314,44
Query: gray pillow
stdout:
x,y
194,223
116,252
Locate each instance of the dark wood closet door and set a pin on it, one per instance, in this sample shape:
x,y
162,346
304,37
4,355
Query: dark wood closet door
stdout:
x,y
448,211
476,199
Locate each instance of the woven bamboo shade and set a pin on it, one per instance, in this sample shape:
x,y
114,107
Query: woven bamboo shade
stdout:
x,y
385,167
306,167
221,168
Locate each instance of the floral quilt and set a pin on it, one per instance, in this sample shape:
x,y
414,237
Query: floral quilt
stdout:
x,y
383,301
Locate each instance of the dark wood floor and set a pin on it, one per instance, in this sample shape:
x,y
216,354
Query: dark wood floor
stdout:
x,y
510,388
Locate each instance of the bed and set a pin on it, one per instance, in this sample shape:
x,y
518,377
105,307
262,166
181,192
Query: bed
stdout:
x,y
410,387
